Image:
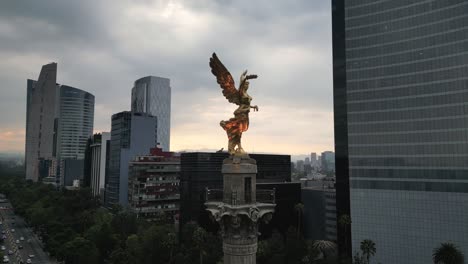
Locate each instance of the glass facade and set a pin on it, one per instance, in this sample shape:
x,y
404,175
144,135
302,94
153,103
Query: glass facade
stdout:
x,y
76,121
406,114
152,95
59,121
132,134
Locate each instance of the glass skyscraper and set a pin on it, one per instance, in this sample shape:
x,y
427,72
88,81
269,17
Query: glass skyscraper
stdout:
x,y
41,115
59,121
401,125
132,134
152,95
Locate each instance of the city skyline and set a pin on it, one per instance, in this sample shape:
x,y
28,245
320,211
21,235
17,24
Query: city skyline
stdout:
x,y
174,39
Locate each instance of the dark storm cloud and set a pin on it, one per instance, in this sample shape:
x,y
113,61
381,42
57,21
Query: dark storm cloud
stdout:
x,y
103,46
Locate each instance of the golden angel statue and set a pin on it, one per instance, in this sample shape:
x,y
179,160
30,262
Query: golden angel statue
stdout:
x,y
240,122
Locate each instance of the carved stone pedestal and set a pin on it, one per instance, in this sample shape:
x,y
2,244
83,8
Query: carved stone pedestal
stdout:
x,y
238,212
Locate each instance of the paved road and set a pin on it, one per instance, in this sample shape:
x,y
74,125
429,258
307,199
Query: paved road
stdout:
x,y
34,247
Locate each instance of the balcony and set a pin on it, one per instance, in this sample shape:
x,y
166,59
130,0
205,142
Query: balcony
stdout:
x,y
234,198
154,197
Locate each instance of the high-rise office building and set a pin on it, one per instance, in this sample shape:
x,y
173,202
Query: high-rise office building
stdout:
x,y
313,159
59,120
328,161
320,211
400,97
99,145
132,134
41,114
152,95
75,126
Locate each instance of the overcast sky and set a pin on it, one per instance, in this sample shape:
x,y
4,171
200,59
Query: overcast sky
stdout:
x,y
103,46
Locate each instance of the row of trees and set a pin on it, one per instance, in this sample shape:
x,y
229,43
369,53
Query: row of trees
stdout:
x,y
446,253
75,229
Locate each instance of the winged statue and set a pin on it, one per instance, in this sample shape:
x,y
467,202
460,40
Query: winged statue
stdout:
x,y
235,126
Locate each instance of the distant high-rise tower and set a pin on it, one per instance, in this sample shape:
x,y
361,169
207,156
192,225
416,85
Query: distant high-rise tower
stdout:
x,y
313,157
59,120
132,134
152,95
400,112
98,162
41,117
328,161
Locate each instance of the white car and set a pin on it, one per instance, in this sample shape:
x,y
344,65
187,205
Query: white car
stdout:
x,y
17,241
29,261
3,248
31,256
21,238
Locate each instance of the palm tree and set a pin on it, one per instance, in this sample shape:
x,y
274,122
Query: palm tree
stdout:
x,y
325,247
447,253
170,242
199,237
345,221
299,208
368,249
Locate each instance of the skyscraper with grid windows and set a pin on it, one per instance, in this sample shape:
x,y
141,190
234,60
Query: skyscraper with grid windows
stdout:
x,y
401,125
152,95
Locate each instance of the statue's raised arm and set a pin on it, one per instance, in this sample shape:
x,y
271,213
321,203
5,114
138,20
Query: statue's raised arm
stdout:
x,y
240,122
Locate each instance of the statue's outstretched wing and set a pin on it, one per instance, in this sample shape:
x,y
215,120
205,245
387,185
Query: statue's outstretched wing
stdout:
x,y
225,80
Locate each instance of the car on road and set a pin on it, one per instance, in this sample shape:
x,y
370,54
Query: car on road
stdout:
x,y
17,241
31,256
3,248
29,261
20,246
21,238
13,230
10,252
3,231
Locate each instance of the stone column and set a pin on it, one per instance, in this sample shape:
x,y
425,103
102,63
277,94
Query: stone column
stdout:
x,y
238,213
